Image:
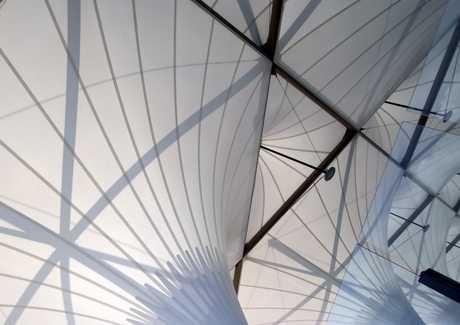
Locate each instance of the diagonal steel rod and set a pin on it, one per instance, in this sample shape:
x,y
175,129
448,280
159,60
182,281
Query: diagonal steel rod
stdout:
x,y
287,205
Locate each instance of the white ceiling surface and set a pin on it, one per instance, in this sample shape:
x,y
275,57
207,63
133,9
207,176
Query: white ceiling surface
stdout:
x,y
145,155
132,185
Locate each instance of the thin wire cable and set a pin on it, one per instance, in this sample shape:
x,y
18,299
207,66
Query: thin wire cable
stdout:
x,y
300,121
386,258
381,126
395,248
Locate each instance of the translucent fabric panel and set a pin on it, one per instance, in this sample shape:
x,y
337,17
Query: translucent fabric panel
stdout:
x,y
415,250
384,126
450,17
451,192
357,52
448,98
405,195
370,294
420,250
425,167
454,229
451,126
129,137
408,198
414,90
405,92
293,274
431,306
428,73
251,17
426,164
296,127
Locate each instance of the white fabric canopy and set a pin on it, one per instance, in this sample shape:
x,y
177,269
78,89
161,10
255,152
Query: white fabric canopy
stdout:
x,y
148,147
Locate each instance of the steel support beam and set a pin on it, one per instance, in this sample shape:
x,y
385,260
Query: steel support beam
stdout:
x,y
237,276
275,24
314,98
298,193
269,50
411,219
432,95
